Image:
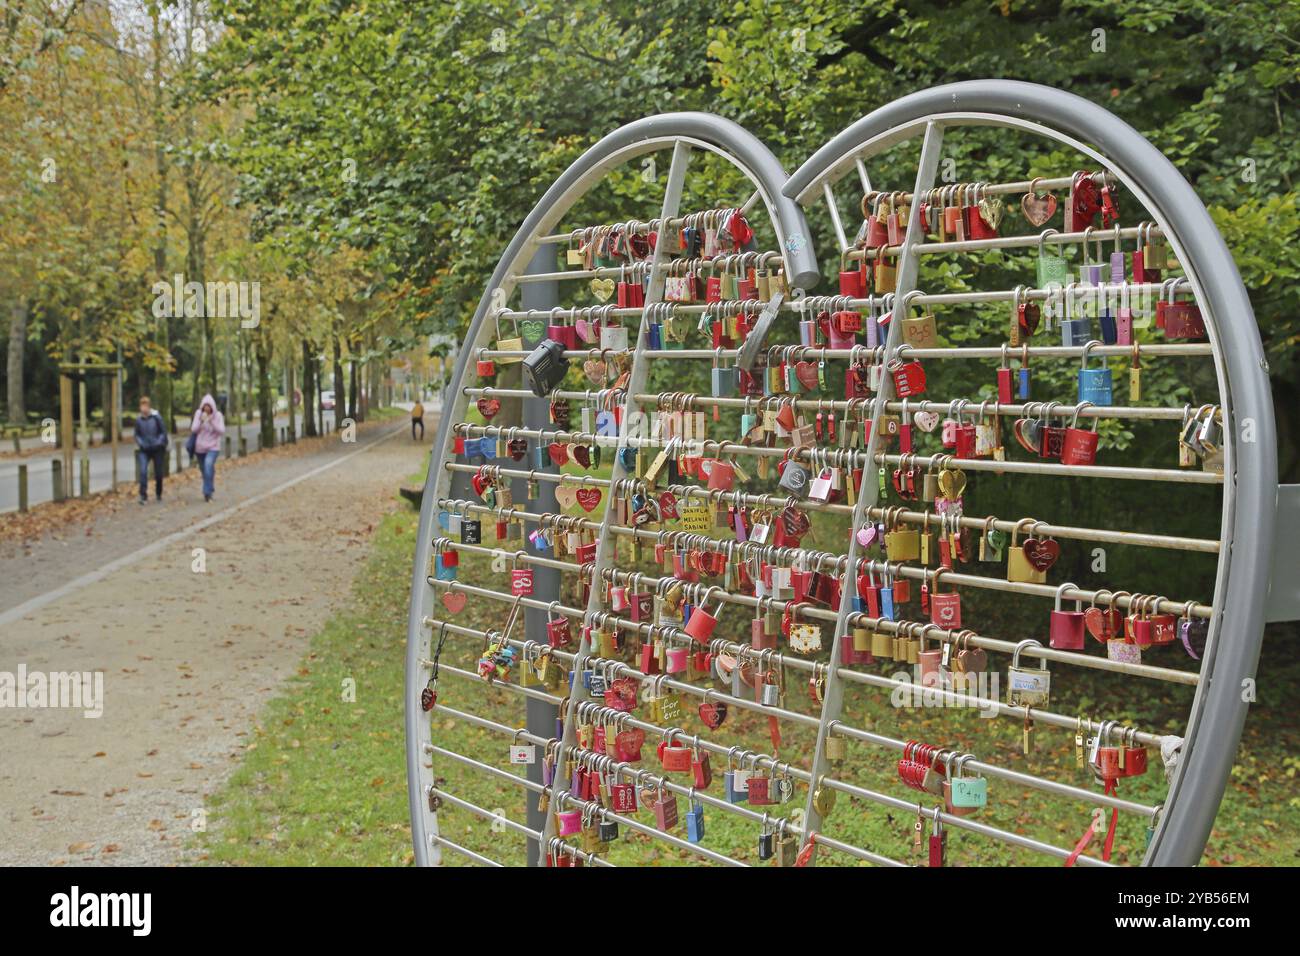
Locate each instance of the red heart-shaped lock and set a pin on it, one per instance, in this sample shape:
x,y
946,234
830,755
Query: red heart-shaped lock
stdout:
x,y
1103,624
806,373
582,455
588,498
559,453
488,407
454,601
480,482
713,714
1041,553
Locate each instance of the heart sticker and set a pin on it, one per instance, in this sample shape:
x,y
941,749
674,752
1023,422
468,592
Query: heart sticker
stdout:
x,y
1041,553
1038,209
488,407
713,714
565,496
559,453
454,601
602,289
926,421
588,498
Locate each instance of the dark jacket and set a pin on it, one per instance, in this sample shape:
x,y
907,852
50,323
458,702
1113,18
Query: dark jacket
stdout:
x,y
150,432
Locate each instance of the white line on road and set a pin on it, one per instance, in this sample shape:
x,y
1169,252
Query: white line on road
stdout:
x,y
22,610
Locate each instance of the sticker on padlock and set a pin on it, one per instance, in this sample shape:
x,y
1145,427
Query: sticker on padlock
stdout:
x,y
1027,687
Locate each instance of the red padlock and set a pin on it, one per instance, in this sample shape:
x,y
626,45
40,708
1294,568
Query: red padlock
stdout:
x,y
521,582
558,632
1066,628
945,609
486,368
674,759
701,623
909,378
1079,445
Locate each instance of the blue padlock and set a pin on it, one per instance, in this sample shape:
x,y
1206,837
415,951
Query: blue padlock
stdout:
x,y
1096,385
627,456
695,822
887,602
724,382
735,795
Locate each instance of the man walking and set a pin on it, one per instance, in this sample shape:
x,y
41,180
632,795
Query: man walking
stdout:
x,y
150,445
417,420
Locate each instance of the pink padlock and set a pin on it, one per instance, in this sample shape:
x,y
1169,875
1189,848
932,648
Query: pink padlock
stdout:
x,y
676,659
1066,631
568,822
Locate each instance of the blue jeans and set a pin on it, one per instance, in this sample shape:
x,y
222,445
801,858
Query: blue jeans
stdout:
x,y
208,467
159,458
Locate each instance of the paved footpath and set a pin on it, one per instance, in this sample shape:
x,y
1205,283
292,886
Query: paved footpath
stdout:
x,y
188,658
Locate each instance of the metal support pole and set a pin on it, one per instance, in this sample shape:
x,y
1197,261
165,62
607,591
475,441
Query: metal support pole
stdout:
x,y
605,541
56,479
832,701
22,487
540,715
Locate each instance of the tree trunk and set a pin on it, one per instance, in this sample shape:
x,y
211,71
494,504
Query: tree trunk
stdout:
x,y
289,390
340,385
265,404
308,391
354,406
163,400
15,403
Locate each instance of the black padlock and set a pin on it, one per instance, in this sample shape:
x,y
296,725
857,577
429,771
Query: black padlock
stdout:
x,y
766,846
545,368
471,531
608,831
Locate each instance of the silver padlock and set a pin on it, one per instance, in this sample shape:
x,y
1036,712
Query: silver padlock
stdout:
x,y
794,478
1027,687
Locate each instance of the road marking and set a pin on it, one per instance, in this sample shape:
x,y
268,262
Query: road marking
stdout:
x,y
22,610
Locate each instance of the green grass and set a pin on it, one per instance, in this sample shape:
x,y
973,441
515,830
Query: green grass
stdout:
x,y
323,780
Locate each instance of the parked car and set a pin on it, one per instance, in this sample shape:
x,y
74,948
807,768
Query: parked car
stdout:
x,y
327,401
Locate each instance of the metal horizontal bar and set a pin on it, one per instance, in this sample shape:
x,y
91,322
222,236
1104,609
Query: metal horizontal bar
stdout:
x,y
457,848
731,449
1007,242
1135,538
973,406
602,812
1120,600
618,668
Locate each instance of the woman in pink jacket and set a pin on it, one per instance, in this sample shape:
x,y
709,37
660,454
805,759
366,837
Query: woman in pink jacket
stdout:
x,y
207,426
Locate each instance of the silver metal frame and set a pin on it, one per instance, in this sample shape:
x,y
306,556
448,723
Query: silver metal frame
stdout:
x,y
1250,476
1250,489
693,130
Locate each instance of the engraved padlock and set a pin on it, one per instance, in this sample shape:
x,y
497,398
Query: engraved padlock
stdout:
x,y
1096,385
